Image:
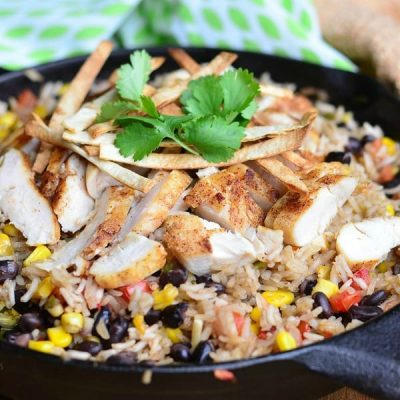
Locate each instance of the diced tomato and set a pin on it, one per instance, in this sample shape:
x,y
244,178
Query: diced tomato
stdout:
x,y
342,302
326,334
224,375
363,274
386,174
262,335
304,327
374,146
239,321
27,99
128,290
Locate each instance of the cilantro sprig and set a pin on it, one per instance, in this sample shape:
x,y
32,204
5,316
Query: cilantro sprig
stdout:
x,y
217,108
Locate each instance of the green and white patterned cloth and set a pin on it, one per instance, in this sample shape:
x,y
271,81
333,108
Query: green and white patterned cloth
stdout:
x,y
37,31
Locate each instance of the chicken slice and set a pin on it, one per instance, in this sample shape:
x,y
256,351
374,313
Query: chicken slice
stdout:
x,y
201,245
154,208
23,204
97,181
120,201
65,254
224,198
304,216
364,244
130,261
72,203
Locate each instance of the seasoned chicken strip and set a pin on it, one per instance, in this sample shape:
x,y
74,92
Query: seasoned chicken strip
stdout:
x,y
72,203
132,260
364,244
201,245
152,211
224,198
23,204
304,216
97,181
120,201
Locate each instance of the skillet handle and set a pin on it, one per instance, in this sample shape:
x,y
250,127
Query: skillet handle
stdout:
x,y
367,358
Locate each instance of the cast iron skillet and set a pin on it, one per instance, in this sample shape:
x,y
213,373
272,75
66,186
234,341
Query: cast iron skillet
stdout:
x,y
367,358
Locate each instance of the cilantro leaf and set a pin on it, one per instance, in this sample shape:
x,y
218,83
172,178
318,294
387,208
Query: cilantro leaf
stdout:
x,y
132,77
114,109
214,138
203,96
239,88
249,111
149,107
138,141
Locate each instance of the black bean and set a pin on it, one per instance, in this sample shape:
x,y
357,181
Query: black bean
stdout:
x,y
90,346
365,313
173,316
118,329
175,276
341,125
393,183
123,358
346,317
209,283
202,352
339,156
353,145
102,323
29,322
152,317
17,338
25,307
367,139
320,300
47,319
180,352
307,286
396,269
374,299
8,270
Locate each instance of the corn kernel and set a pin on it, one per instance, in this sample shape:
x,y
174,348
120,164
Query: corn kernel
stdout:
x,y
165,297
8,120
3,133
72,322
327,287
59,337
174,335
324,271
255,314
63,89
255,328
384,266
260,265
390,210
6,248
285,341
41,111
45,288
44,346
138,323
390,145
53,307
40,253
10,230
278,298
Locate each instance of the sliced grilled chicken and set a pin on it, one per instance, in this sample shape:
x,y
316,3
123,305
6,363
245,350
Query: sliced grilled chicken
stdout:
x,y
23,204
120,200
364,244
72,203
132,260
224,198
65,254
154,208
97,181
200,245
304,216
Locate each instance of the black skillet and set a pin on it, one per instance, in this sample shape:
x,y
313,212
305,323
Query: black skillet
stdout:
x,y
367,358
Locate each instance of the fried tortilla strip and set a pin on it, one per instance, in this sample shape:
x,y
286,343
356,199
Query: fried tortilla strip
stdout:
x,y
291,140
119,203
37,128
171,109
85,138
74,97
93,151
283,173
184,60
101,128
217,65
296,159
